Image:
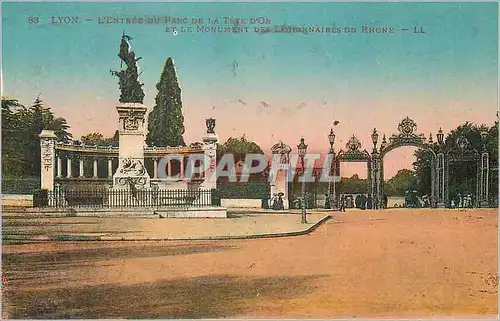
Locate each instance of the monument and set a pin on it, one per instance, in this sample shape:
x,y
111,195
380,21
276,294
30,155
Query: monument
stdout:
x,y
131,172
279,183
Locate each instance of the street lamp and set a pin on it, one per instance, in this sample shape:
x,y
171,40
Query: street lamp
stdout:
x,y
331,139
302,147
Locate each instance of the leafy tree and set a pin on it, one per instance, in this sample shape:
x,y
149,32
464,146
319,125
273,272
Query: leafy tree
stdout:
x,y
99,140
462,175
20,141
166,122
352,185
239,147
13,129
404,180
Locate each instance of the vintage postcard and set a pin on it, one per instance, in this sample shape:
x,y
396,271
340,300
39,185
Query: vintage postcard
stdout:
x,y
241,160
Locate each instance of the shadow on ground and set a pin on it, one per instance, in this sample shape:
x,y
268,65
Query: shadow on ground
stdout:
x,y
216,296
21,267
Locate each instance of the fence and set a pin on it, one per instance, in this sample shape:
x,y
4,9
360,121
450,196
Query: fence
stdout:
x,y
126,198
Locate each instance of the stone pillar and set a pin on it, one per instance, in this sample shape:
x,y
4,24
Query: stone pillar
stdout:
x,y
110,167
68,163
82,171
95,168
169,169
155,167
181,170
59,166
210,141
280,172
47,161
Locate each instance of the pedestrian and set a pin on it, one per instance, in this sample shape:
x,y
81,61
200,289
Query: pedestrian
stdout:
x,y
342,204
327,202
369,202
386,199
280,202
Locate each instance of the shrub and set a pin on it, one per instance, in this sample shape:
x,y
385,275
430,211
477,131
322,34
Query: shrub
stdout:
x,y
41,198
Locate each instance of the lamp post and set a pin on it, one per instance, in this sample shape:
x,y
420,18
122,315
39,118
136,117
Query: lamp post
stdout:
x,y
302,147
331,140
441,202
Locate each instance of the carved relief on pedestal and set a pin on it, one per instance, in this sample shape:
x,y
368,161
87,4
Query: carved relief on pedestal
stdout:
x,y
132,120
132,167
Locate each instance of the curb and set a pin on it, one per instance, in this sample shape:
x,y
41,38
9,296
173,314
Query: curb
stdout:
x,y
209,238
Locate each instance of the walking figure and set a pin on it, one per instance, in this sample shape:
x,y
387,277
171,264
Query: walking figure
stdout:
x,y
342,203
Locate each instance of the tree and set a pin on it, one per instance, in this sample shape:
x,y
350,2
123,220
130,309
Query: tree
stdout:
x,y
99,140
257,184
12,137
239,147
20,141
405,179
462,175
166,122
352,185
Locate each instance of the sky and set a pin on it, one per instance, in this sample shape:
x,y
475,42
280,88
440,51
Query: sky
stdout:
x,y
266,86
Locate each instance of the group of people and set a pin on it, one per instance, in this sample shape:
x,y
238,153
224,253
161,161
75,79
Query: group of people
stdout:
x,y
361,201
462,201
276,202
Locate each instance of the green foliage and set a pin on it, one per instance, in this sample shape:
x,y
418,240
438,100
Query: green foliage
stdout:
x,y
249,190
166,122
40,198
20,142
352,185
404,180
99,140
463,174
239,147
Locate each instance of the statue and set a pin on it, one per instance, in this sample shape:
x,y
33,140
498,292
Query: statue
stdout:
x,y
131,88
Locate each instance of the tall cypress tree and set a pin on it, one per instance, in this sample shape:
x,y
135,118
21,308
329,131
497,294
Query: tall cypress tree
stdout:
x,y
166,122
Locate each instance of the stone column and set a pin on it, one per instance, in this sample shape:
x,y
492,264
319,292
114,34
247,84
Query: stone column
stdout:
x,y
59,166
68,163
110,167
155,167
169,169
181,176
95,168
47,161
82,172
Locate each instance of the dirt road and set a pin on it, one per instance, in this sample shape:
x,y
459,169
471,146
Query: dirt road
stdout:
x,y
393,263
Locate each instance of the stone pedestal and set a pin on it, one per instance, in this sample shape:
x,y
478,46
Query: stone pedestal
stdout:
x,y
280,171
210,141
48,153
280,184
131,171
